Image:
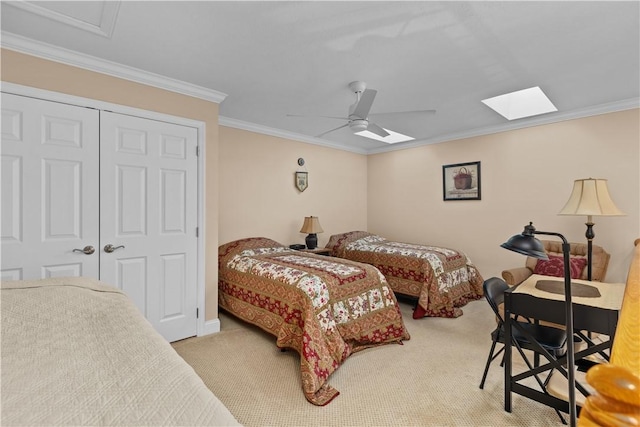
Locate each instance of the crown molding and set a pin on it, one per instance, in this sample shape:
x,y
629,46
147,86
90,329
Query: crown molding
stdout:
x,y
46,51
596,110
612,107
65,56
252,127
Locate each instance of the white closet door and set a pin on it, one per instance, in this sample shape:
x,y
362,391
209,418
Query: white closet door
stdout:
x,y
148,198
49,173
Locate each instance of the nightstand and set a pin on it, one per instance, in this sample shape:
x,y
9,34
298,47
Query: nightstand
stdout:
x,y
319,251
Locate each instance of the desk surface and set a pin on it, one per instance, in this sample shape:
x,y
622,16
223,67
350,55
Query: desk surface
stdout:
x,y
610,299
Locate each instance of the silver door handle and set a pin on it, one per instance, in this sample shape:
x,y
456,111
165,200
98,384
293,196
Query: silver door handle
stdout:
x,y
110,248
88,250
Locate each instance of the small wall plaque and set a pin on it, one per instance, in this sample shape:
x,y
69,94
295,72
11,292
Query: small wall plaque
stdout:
x,y
302,181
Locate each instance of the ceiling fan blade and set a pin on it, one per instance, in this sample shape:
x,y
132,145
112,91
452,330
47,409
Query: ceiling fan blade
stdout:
x,y
339,127
372,127
326,117
364,105
404,113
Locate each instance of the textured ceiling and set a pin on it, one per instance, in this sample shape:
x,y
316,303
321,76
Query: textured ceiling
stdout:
x,y
278,58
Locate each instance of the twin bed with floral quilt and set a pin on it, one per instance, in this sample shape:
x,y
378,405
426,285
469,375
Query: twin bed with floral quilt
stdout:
x,y
442,279
324,308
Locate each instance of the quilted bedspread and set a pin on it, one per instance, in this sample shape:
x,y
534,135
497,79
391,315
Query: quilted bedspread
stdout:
x,y
78,352
324,308
443,280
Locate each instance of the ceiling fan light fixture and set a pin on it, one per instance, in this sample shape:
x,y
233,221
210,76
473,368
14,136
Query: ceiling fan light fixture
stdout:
x,y
392,138
359,125
358,118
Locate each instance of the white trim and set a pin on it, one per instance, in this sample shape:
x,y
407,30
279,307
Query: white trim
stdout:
x,y
107,20
202,327
54,53
211,327
252,127
612,107
202,291
94,103
46,51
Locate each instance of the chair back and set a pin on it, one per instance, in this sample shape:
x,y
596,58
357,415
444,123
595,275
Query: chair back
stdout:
x,y
599,261
494,288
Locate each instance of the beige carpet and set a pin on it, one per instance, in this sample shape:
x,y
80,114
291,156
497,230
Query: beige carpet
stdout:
x,y
431,380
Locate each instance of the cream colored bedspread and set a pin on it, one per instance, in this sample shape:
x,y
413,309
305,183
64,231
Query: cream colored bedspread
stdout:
x,y
77,352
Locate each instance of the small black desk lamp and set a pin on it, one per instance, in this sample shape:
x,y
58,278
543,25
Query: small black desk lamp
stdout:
x,y
527,244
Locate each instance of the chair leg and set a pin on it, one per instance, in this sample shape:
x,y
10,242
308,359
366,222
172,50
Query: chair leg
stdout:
x,y
561,417
543,385
489,360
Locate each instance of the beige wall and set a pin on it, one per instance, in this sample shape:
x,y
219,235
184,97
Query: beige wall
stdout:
x,y
527,175
258,196
35,72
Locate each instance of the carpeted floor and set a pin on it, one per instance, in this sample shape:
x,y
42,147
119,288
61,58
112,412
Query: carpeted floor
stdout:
x,y
431,380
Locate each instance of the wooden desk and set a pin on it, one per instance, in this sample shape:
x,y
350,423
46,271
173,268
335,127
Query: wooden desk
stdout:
x,y
590,314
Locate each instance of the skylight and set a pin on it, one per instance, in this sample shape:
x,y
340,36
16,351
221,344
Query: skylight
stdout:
x,y
521,103
392,138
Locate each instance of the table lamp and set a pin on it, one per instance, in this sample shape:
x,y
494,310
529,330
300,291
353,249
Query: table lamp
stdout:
x,y
590,197
312,226
526,244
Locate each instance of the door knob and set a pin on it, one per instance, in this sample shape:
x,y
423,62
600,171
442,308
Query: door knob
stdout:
x,y
110,248
88,250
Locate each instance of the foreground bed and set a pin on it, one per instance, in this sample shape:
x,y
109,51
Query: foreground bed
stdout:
x,y
441,279
322,307
78,352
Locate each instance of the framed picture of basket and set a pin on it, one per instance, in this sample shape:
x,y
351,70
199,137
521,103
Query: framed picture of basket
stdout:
x,y
461,181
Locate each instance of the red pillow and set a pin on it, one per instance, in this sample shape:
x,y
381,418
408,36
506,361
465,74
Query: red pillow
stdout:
x,y
555,266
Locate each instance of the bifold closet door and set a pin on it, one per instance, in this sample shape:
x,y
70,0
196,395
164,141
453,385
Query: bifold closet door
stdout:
x,y
148,204
49,188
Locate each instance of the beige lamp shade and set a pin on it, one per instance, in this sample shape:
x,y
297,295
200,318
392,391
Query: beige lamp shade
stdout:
x,y
311,225
590,197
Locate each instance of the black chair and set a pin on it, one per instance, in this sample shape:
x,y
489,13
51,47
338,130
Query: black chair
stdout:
x,y
551,339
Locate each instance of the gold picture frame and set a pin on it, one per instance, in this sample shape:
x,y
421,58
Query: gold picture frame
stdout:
x,y
302,181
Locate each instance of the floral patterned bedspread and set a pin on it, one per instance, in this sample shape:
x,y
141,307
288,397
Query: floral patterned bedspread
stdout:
x,y
324,308
442,279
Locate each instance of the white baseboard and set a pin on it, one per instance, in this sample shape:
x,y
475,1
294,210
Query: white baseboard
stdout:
x,y
211,327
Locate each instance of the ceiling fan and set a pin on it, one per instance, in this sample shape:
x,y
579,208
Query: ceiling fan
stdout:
x,y
358,117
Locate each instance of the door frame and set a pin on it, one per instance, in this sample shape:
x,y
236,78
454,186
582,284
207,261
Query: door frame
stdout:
x,y
202,327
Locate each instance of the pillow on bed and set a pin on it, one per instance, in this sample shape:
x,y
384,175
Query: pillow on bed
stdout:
x,y
340,241
555,267
249,246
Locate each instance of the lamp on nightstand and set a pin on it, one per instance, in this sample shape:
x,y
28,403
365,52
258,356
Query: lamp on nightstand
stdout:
x,y
311,226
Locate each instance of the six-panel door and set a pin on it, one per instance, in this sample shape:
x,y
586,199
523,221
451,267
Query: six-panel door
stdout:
x,y
104,195
148,205
49,189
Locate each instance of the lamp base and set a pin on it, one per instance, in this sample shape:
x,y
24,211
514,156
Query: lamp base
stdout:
x,y
312,241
